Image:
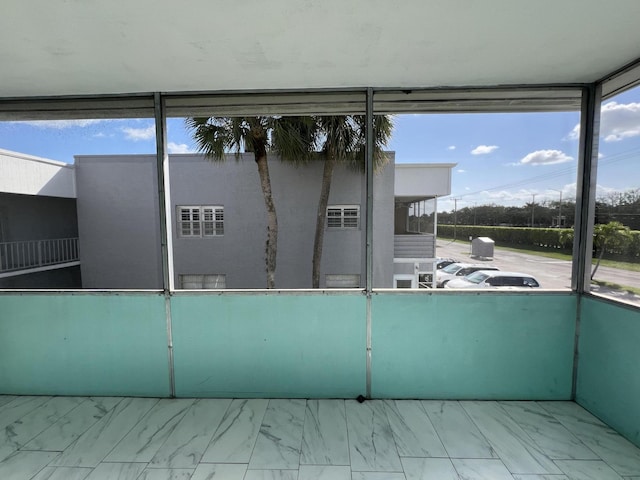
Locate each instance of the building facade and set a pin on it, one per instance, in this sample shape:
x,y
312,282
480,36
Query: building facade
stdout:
x,y
218,222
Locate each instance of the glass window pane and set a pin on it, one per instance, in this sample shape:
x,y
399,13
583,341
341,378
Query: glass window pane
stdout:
x,y
258,180
509,177
615,266
79,199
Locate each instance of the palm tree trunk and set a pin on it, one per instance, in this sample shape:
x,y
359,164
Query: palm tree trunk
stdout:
x,y
595,269
271,249
318,241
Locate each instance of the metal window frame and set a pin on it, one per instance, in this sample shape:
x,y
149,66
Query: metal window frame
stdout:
x,y
201,221
342,217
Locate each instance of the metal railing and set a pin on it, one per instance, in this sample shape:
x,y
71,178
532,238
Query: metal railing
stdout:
x,y
37,253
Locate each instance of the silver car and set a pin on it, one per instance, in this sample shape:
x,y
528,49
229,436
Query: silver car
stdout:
x,y
458,270
494,279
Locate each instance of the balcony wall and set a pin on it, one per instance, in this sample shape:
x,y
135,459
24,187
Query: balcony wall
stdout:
x,y
289,344
609,368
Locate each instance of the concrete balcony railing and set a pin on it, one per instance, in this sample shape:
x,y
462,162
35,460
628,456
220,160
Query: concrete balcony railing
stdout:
x,y
416,246
32,254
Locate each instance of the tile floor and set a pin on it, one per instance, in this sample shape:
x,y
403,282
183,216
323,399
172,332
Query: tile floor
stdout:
x,y
88,438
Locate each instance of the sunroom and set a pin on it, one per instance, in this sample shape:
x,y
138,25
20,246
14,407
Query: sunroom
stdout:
x,y
301,383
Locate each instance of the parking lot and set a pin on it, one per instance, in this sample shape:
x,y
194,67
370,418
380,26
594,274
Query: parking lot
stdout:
x,y
551,273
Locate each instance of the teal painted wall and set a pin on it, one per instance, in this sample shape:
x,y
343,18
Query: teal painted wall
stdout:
x,y
83,344
252,345
473,346
609,365
289,345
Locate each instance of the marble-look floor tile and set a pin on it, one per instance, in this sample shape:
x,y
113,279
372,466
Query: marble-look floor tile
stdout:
x,y
377,476
278,444
271,475
166,474
63,473
24,465
324,441
235,437
587,470
412,430
539,477
189,440
547,432
513,445
4,399
93,445
119,471
371,444
18,408
20,432
220,471
618,452
67,429
481,469
324,472
460,436
148,435
429,469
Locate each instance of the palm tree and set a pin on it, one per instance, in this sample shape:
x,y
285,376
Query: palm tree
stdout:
x,y
343,141
609,235
289,137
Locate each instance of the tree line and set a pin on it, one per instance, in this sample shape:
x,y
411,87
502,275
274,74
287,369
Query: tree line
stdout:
x,y
622,207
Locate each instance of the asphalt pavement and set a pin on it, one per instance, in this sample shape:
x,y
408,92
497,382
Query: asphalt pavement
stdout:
x,y
551,273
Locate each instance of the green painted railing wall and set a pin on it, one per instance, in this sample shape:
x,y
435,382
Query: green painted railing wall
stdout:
x,y
83,345
270,345
424,345
609,366
473,346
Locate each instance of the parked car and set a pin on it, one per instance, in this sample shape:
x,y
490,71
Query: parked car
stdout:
x,y
443,262
458,270
494,279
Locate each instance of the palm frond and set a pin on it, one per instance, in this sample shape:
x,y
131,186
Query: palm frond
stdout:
x,y
294,138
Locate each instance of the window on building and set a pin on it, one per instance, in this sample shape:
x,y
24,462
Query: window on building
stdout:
x,y
201,221
342,280
203,282
343,216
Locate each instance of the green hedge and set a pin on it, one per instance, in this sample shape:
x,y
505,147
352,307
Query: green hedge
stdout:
x,y
550,238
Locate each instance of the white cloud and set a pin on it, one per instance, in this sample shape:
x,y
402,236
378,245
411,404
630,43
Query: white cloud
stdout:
x,y
617,122
137,134
483,149
173,147
460,170
451,147
545,157
575,133
61,124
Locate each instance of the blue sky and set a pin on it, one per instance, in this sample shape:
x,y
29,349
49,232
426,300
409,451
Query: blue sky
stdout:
x,y
503,159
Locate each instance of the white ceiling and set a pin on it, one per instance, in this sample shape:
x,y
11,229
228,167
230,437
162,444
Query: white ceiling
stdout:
x,y
68,47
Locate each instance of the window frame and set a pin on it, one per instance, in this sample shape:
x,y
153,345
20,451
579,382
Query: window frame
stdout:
x,y
342,218
220,276
214,225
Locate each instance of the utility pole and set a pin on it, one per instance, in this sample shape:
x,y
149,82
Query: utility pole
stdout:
x,y
455,216
559,224
560,211
533,207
